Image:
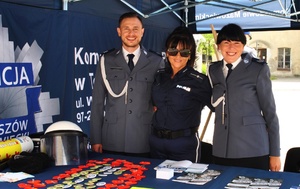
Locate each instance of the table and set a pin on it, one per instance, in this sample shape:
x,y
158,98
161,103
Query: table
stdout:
x,y
228,173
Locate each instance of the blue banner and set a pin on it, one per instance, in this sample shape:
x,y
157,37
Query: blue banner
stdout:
x,y
56,50
18,74
22,125
218,15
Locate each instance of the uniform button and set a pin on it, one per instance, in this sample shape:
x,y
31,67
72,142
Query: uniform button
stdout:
x,y
130,100
131,78
130,112
225,127
131,89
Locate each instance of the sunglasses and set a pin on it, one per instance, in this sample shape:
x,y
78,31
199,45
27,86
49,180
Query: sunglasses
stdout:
x,y
183,53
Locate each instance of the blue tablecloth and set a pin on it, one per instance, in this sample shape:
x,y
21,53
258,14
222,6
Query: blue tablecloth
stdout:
x,y
228,173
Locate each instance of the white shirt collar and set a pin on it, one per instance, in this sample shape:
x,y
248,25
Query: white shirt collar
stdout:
x,y
136,53
234,64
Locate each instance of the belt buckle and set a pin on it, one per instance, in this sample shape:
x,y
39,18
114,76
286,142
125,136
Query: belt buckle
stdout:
x,y
164,134
167,134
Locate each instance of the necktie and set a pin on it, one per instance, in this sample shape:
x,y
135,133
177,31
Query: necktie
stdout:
x,y
130,61
229,66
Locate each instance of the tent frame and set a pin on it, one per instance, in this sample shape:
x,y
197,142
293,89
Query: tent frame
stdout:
x,y
185,5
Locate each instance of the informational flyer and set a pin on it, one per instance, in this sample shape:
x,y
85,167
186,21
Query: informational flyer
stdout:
x,y
241,182
198,178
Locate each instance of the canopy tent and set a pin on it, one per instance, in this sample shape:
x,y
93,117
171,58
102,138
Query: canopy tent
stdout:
x,y
110,9
170,13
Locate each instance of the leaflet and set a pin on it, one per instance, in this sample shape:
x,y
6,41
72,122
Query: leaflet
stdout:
x,y
183,166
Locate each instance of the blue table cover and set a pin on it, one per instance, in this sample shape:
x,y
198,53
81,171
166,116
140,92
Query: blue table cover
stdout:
x,y
228,173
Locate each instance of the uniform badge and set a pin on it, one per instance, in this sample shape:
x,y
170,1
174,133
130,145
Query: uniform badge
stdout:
x,y
246,60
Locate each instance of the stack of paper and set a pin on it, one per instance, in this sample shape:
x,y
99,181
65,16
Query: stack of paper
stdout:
x,y
14,176
184,165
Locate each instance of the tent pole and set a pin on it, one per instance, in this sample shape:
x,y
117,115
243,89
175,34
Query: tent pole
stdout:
x,y
65,5
218,58
186,10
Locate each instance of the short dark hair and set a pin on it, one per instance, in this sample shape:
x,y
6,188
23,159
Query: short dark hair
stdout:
x,y
130,15
231,32
182,35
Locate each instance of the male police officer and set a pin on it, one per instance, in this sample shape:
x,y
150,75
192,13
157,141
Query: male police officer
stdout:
x,y
121,108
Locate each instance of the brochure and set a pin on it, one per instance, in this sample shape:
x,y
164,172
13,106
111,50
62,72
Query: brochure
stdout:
x,y
241,182
184,165
198,178
14,176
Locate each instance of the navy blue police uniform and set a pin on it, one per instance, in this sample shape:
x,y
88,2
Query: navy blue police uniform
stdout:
x,y
179,103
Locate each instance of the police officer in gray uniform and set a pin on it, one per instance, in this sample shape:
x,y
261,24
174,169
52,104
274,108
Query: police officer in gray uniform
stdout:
x,y
121,108
246,129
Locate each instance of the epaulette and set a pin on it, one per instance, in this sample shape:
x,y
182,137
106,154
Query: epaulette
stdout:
x,y
260,61
161,70
211,63
158,76
107,51
247,58
196,75
214,62
157,53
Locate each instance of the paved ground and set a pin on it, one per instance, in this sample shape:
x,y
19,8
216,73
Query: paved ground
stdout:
x,y
287,96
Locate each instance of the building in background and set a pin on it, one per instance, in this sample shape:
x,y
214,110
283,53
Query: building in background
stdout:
x,y
280,49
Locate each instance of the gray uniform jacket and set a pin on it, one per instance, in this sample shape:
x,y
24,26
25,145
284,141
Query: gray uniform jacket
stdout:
x,y
249,126
123,123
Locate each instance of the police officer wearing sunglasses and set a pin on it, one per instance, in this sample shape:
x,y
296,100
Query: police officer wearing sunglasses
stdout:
x,y
179,94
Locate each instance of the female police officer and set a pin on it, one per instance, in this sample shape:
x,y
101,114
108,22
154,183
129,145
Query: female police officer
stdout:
x,y
179,94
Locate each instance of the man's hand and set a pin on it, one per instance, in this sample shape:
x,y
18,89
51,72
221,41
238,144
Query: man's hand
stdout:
x,y
97,148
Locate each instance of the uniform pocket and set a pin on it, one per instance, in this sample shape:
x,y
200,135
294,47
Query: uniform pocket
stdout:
x,y
253,120
115,75
110,117
144,82
145,77
117,80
